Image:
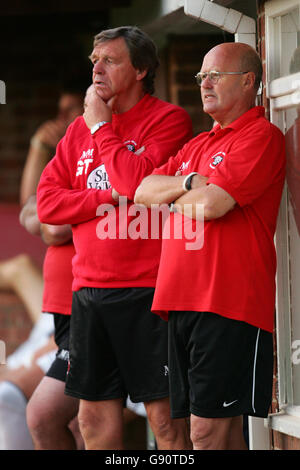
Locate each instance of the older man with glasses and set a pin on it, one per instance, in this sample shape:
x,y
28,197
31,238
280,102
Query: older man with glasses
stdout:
x,y
220,299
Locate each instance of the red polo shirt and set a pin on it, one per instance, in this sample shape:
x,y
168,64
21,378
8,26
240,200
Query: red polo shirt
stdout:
x,y
58,278
233,273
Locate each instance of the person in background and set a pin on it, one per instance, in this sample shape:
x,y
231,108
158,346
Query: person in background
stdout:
x,y
47,291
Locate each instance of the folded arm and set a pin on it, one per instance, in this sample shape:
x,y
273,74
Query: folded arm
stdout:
x,y
51,234
162,189
57,202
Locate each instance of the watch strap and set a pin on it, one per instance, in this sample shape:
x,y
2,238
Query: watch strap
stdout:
x,y
97,126
187,182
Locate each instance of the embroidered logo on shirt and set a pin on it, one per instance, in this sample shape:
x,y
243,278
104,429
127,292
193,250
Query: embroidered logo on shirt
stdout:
x,y
98,178
132,145
216,159
84,161
184,166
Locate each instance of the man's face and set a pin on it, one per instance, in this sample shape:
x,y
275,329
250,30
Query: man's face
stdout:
x,y
222,100
113,72
70,107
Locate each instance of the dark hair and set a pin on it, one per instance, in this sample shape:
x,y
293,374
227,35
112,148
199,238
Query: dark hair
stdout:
x,y
142,51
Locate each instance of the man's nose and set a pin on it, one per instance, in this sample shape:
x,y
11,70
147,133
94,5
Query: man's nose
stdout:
x,y
98,67
206,82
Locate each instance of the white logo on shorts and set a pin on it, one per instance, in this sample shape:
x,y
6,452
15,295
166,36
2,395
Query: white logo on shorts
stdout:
x,y
225,404
166,370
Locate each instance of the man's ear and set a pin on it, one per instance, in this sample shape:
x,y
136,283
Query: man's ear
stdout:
x,y
249,79
140,74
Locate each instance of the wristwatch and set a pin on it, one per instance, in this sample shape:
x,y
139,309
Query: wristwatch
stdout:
x,y
97,126
187,182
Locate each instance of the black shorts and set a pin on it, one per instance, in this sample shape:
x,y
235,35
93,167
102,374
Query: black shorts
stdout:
x,y
59,367
117,346
218,367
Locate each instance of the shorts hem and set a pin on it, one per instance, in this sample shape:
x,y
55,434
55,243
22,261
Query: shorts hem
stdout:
x,y
180,414
84,396
226,413
140,399
216,413
143,399
56,377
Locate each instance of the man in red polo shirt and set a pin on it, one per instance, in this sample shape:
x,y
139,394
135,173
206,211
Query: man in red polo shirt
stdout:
x,y
117,347
220,298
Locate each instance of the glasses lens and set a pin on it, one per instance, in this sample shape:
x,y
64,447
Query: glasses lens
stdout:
x,y
200,77
214,76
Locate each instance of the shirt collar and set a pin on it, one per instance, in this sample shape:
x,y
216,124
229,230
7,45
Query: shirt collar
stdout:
x,y
253,113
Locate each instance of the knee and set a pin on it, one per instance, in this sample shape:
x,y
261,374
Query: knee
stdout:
x,y
87,420
208,433
40,419
201,432
10,268
14,265
94,422
161,422
90,422
35,417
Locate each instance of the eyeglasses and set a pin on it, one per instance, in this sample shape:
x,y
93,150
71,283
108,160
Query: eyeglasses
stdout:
x,y
213,76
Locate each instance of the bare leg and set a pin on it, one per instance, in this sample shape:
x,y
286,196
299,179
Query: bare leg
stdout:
x,y
26,378
74,428
49,413
217,433
170,434
101,424
21,275
236,439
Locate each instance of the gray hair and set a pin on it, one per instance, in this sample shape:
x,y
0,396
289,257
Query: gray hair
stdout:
x,y
251,62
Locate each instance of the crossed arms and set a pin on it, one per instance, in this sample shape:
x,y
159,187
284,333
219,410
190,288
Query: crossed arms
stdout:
x,y
163,189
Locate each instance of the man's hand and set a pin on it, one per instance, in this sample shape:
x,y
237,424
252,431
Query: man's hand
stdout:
x,y
50,133
115,195
95,109
28,216
56,234
198,181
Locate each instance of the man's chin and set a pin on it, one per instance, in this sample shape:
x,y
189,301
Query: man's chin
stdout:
x,y
101,93
211,110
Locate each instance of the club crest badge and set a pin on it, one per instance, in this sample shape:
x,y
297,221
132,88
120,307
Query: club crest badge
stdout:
x,y
216,159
